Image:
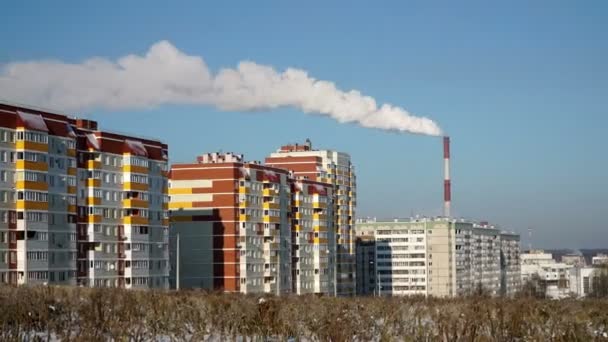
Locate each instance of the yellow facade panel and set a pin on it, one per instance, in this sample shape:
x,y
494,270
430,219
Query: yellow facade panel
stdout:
x,y
272,205
30,165
135,220
28,185
71,189
180,191
93,201
32,146
271,219
135,169
180,205
72,171
71,152
243,190
32,205
92,182
94,218
71,208
93,164
319,205
134,203
269,192
130,186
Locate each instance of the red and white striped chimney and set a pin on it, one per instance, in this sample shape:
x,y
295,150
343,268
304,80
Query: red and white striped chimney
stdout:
x,y
447,185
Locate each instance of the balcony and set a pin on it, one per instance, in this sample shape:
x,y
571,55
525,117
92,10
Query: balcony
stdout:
x,y
134,203
271,219
32,205
93,164
32,146
271,205
270,192
31,166
135,220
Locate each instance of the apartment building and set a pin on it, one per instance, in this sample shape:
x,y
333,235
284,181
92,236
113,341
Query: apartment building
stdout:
x,y
365,249
233,219
510,265
313,239
549,277
123,223
440,257
53,202
335,168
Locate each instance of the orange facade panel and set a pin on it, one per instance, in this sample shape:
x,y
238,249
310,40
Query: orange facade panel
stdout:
x,y
135,169
32,205
204,172
131,186
30,165
28,185
31,146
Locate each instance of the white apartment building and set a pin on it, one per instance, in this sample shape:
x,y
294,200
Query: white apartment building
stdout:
x,y
599,259
442,257
581,280
549,277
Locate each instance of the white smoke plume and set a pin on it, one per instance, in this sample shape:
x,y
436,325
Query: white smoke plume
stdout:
x,y
165,75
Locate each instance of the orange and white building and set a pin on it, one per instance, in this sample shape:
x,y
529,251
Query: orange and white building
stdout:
x,y
67,214
334,168
233,221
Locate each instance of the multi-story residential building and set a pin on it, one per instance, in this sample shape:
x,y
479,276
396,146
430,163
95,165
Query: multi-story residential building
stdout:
x,y
440,257
334,168
365,249
549,278
123,219
313,239
52,200
510,265
234,224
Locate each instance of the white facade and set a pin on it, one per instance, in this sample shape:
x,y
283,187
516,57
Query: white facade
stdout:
x,y
550,277
442,257
600,259
581,281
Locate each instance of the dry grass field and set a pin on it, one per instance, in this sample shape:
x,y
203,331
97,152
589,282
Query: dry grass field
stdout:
x,y
82,314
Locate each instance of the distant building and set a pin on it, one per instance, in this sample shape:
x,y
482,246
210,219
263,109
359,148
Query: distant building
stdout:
x,y
366,266
335,168
441,257
577,260
581,280
550,278
599,259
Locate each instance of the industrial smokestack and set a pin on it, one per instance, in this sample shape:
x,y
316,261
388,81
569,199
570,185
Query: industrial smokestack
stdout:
x,y
447,185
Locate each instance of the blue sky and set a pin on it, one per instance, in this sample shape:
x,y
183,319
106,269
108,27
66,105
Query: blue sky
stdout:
x,y
520,87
